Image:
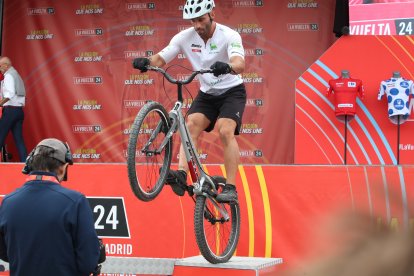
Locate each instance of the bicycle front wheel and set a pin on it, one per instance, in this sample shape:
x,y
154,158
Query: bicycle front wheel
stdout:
x,y
216,236
148,162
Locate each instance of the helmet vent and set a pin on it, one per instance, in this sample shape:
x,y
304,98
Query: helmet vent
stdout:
x,y
197,8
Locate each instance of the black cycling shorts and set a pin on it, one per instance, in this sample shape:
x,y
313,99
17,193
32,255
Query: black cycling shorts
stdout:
x,y
230,105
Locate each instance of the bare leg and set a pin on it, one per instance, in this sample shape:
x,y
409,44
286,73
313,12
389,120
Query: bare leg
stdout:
x,y
196,124
226,129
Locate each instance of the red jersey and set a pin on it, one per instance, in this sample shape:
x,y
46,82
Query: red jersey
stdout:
x,y
345,91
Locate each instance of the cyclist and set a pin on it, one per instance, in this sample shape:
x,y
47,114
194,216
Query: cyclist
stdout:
x,y
222,96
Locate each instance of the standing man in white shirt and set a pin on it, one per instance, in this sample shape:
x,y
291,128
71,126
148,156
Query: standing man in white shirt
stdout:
x,y
13,100
222,96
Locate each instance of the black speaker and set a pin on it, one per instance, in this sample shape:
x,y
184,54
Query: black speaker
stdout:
x,y
341,22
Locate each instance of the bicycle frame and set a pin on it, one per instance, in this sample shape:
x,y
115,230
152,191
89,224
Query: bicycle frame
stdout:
x,y
198,176
197,173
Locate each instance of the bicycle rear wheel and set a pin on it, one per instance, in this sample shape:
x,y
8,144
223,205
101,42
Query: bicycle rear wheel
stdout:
x,y
148,164
216,236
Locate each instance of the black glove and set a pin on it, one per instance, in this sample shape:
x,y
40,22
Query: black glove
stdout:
x,y
141,64
220,68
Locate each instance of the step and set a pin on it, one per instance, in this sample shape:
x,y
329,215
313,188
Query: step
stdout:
x,y
136,265
240,266
197,265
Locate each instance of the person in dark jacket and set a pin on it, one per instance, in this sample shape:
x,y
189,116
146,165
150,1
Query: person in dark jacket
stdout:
x,y
45,228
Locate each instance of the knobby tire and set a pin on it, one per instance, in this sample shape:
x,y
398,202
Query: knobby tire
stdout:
x,y
217,240
147,172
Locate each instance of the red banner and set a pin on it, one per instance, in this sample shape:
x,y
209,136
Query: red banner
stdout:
x,y
371,137
389,18
75,58
281,207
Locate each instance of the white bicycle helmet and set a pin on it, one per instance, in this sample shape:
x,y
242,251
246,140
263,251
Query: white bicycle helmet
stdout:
x,y
196,8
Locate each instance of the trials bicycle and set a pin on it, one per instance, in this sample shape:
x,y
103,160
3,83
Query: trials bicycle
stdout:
x,y
216,225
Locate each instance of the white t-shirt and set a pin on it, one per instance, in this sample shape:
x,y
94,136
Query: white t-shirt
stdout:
x,y
224,44
10,86
398,92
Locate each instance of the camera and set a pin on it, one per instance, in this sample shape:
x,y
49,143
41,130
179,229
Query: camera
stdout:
x,y
102,258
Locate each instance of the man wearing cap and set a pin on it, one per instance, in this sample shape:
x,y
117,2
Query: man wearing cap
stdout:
x,y
12,101
45,228
221,100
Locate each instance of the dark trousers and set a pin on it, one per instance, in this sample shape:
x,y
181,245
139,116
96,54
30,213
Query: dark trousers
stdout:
x,y
12,120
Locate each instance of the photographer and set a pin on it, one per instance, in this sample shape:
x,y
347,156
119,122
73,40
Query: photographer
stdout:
x,y
47,229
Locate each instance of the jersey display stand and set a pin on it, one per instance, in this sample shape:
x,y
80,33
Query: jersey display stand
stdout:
x,y
398,91
345,89
398,140
345,136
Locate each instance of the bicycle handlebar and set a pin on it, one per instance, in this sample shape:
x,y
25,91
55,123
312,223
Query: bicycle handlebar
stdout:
x,y
172,80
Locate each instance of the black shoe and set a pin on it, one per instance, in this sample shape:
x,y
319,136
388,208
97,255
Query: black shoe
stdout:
x,y
229,194
178,181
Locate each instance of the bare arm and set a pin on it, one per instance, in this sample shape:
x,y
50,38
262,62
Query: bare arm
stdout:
x,y
3,101
237,64
157,60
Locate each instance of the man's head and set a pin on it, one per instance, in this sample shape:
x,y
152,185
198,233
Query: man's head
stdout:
x,y
50,155
5,64
201,14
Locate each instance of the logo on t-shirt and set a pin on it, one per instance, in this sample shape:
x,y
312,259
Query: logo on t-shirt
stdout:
x,y
399,104
351,84
347,105
236,45
195,48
